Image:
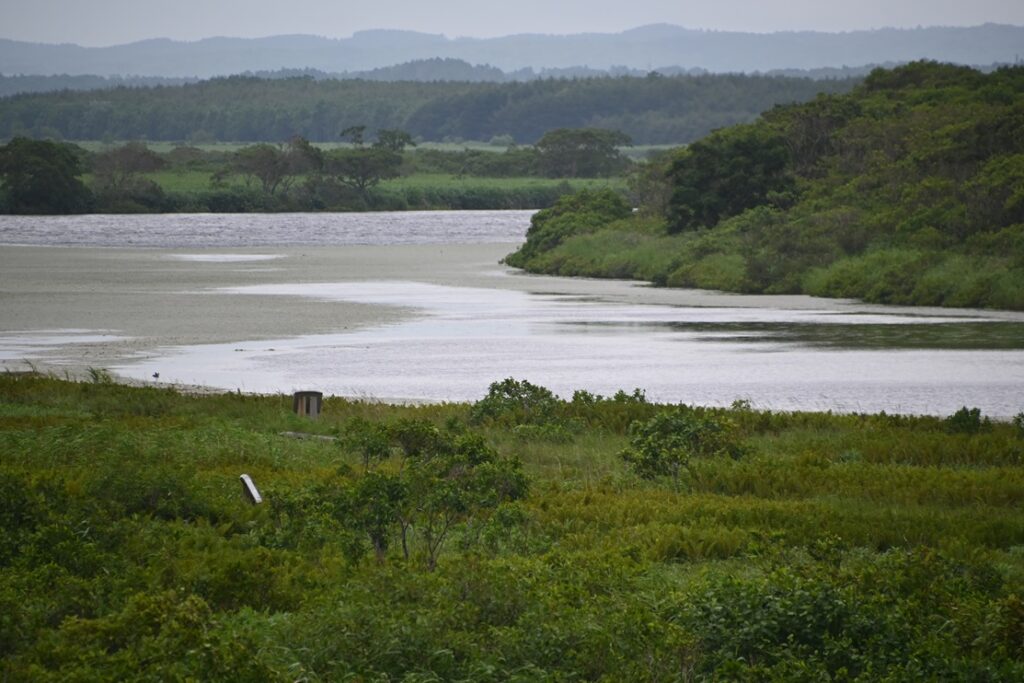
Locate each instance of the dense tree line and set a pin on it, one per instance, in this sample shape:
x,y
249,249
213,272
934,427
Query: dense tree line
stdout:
x,y
652,110
907,190
421,70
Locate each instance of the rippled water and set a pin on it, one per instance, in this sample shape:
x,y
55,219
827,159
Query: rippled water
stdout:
x,y
266,229
773,357
833,357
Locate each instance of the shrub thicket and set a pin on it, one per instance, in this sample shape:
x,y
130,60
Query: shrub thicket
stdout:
x,y
852,547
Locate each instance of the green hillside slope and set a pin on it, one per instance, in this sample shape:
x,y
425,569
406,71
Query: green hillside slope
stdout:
x,y
909,190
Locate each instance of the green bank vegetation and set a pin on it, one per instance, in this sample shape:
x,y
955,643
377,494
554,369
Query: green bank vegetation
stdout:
x,y
908,190
523,537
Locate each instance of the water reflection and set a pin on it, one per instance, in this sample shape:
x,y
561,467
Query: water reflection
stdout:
x,y
990,335
275,229
463,338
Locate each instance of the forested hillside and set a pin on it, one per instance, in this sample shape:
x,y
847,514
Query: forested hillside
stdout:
x,y
909,190
652,110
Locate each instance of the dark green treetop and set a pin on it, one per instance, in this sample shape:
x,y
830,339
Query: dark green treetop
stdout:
x,y
39,176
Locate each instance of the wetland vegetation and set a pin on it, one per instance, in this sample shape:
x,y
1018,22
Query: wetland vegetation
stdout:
x,y
525,536
521,537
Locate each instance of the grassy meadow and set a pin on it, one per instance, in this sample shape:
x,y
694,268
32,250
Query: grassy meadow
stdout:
x,y
184,181
164,146
192,190
523,537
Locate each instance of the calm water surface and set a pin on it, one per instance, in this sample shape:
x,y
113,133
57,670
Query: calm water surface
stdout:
x,y
778,358
839,357
266,229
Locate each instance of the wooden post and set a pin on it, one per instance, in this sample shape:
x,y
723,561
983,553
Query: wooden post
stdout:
x,y
250,490
308,403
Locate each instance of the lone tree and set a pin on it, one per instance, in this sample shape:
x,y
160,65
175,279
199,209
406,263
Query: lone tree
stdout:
x,y
370,440
361,167
394,140
582,152
664,445
277,166
452,485
420,477
41,177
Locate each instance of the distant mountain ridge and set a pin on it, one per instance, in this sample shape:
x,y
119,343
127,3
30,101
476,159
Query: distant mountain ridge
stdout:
x,y
642,48
421,70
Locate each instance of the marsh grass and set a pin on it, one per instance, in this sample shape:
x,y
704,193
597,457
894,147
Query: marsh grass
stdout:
x,y
856,546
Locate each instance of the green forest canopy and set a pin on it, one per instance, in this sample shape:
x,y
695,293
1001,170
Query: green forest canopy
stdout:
x,y
652,110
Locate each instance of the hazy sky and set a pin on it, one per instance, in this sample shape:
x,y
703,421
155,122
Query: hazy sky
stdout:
x,y
108,22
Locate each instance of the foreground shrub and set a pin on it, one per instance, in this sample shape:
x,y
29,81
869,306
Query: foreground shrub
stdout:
x,y
966,421
516,402
665,444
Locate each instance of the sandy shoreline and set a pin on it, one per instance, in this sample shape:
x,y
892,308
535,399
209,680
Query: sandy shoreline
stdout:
x,y
129,302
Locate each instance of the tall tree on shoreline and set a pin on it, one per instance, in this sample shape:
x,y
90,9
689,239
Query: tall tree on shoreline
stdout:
x,y
39,176
360,167
581,152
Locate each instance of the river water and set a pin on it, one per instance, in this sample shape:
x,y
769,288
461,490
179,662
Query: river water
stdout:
x,y
265,229
459,331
